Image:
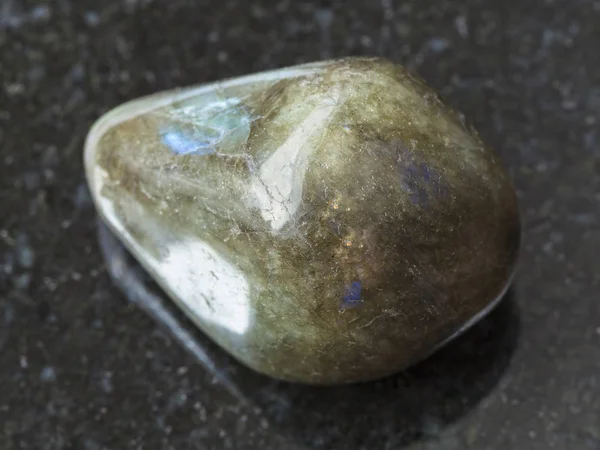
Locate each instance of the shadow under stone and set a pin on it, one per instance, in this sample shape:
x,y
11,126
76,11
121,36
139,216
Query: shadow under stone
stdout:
x,y
415,404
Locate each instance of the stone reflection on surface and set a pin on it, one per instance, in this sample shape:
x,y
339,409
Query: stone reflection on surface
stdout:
x,y
328,223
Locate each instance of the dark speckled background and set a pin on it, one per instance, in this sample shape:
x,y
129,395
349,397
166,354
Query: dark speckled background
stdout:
x,y
82,369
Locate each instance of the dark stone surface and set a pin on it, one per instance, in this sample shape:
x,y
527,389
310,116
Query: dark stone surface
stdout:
x,y
82,368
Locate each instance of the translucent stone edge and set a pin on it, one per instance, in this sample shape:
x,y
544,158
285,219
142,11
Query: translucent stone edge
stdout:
x,y
479,316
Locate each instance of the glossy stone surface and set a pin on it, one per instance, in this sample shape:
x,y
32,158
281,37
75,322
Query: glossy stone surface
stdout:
x,y
327,223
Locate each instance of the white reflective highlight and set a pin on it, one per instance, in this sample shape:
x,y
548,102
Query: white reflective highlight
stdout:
x,y
208,285
277,189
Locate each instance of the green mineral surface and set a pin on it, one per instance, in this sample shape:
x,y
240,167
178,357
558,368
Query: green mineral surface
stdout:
x,y
327,223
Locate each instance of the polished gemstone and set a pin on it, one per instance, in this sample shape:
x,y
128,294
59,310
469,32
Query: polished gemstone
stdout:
x,y
326,223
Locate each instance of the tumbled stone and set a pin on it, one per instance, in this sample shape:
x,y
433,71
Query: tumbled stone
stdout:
x,y
326,223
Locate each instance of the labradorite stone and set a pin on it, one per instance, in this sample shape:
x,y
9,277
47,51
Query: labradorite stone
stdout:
x,y
327,223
